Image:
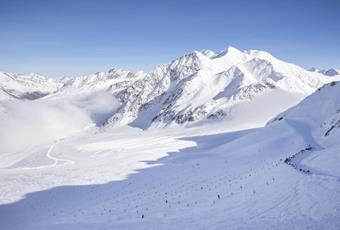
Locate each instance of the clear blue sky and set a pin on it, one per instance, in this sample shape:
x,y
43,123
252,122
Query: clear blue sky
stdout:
x,y
71,37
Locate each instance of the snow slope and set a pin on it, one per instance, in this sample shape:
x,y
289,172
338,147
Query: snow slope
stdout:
x,y
282,176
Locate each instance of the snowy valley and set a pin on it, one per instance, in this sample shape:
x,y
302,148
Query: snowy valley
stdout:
x,y
228,140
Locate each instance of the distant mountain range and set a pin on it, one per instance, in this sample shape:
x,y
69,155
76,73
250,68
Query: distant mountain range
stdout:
x,y
197,88
328,72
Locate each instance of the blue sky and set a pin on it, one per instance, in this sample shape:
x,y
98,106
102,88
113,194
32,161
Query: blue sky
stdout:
x,y
72,37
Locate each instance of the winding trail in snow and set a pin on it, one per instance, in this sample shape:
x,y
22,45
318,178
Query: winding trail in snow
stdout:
x,y
305,131
56,161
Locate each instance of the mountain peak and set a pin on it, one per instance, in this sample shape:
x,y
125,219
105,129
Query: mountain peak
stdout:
x,y
231,49
331,72
188,64
230,52
208,53
260,54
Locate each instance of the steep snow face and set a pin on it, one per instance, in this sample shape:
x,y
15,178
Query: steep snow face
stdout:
x,y
30,87
202,86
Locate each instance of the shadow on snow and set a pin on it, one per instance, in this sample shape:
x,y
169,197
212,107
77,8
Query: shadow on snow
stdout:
x,y
93,206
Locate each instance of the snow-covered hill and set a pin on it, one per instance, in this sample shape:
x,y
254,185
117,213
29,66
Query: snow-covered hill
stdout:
x,y
321,110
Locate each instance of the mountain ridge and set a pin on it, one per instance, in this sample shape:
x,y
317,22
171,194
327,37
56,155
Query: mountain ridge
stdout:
x,y
194,88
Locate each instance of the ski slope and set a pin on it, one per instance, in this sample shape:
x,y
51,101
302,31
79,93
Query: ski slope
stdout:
x,y
233,140
126,178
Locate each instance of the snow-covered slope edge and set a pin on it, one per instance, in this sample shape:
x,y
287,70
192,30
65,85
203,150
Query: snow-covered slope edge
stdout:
x,y
321,111
317,118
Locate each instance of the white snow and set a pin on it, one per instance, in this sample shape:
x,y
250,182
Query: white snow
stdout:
x,y
230,171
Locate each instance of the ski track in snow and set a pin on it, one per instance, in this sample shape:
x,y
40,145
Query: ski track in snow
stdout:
x,y
304,130
57,161
157,199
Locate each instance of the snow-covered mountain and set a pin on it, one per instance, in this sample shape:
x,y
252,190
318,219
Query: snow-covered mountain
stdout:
x,y
115,80
197,88
60,171
328,72
27,87
203,86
